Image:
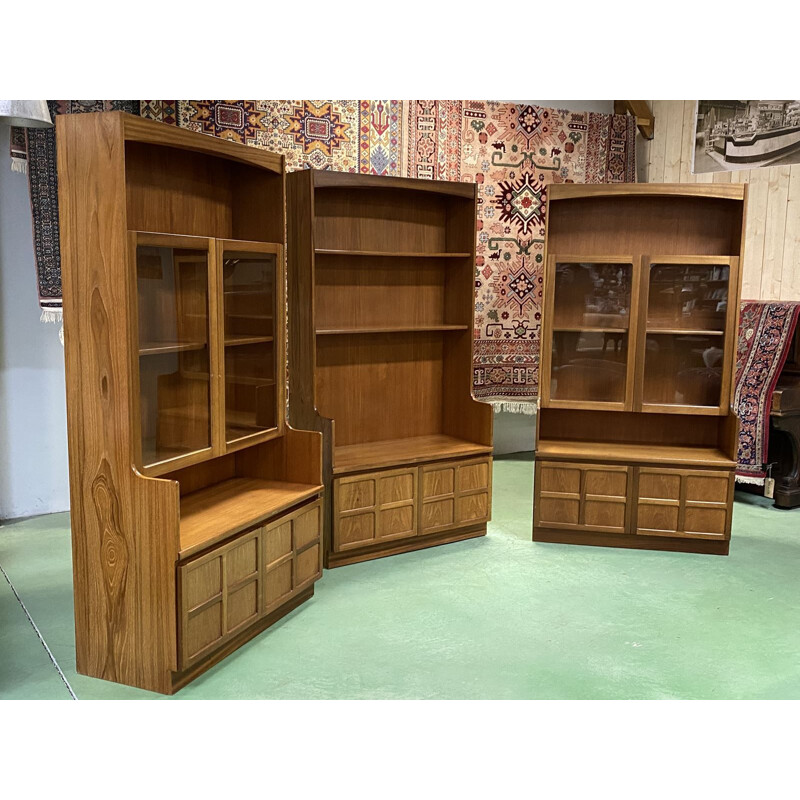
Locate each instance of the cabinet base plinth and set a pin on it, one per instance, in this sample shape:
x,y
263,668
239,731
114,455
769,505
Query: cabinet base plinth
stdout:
x,y
401,546
181,679
676,544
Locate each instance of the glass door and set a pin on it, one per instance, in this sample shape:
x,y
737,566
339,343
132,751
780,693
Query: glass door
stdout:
x,y
252,312
174,352
686,352
591,320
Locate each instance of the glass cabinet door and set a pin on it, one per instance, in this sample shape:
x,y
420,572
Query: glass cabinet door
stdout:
x,y
172,281
250,292
591,331
685,348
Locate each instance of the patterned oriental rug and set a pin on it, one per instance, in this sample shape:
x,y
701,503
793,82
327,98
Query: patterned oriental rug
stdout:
x,y
765,333
512,151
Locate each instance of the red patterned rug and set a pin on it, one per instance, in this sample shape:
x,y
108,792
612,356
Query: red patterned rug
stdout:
x,y
765,333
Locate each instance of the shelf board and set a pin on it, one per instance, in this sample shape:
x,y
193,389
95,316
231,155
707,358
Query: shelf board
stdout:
x,y
620,452
219,511
372,455
587,329
323,251
157,348
234,339
390,329
684,332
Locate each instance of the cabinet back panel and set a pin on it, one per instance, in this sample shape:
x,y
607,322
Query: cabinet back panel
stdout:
x,y
182,192
653,226
365,292
380,219
375,387
629,427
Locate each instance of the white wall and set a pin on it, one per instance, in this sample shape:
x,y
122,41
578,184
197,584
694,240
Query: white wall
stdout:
x,y
33,438
515,433
33,428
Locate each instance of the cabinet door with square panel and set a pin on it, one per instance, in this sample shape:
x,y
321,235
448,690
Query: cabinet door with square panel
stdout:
x,y
674,502
374,507
219,596
585,497
455,494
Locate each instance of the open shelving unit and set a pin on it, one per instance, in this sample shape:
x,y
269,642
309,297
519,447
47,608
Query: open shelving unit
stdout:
x,y
381,305
196,510
637,439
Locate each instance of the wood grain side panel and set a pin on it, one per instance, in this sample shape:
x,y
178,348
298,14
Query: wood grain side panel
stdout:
x,y
124,527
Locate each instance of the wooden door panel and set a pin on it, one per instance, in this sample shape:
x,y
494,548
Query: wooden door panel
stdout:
x,y
472,508
582,497
355,531
397,488
202,632
397,522
243,606
438,514
438,481
474,476
356,494
684,502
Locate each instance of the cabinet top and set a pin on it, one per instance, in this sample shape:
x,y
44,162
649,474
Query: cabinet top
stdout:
x,y
355,180
571,191
137,129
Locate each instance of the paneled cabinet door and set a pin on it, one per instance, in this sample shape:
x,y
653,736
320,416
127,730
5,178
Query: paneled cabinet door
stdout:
x,y
455,494
582,497
675,502
292,555
374,507
219,596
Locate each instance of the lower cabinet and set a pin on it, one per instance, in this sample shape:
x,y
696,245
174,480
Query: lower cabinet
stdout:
x,y
631,501
226,590
404,503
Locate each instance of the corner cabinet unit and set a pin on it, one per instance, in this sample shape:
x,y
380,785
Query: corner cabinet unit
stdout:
x,y
381,288
637,440
196,510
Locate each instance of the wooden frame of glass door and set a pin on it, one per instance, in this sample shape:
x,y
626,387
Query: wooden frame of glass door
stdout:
x,y
279,342
171,241
549,326
727,330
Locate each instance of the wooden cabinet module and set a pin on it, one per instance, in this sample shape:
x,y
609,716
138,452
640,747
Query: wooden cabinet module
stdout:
x,y
637,440
185,480
381,297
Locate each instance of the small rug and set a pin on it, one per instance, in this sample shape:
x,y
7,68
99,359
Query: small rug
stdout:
x,y
19,150
43,185
765,333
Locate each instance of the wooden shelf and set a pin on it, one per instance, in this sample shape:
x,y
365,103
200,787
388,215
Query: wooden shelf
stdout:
x,y
684,332
232,339
221,510
624,453
373,455
587,329
390,329
323,251
159,348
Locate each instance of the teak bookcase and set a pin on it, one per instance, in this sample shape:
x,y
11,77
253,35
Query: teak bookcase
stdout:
x,y
196,511
381,284
637,440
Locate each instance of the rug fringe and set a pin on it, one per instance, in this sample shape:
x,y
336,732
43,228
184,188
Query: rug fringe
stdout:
x,y
515,408
51,315
19,165
752,479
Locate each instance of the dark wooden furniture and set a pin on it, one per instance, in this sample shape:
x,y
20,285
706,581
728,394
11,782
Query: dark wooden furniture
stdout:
x,y
637,441
381,276
784,440
196,511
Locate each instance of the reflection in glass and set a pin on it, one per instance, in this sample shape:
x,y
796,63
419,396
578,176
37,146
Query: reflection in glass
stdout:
x,y
688,296
589,366
592,295
683,369
173,352
249,308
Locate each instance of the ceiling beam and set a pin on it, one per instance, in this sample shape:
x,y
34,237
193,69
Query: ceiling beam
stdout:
x,y
639,109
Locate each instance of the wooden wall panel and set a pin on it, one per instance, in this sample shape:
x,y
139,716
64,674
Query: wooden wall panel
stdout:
x,y
772,240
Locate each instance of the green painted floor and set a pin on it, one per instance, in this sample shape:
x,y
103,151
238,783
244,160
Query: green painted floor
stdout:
x,y
498,617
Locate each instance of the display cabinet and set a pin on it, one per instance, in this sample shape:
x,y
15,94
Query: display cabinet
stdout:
x,y
381,288
196,510
637,439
